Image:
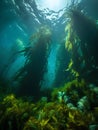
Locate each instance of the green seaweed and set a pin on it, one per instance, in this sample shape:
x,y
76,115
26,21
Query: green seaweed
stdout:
x,y
56,114
82,45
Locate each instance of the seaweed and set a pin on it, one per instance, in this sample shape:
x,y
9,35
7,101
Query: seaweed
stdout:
x,y
82,45
20,115
31,74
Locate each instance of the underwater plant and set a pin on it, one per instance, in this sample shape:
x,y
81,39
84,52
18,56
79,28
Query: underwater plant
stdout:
x,y
71,92
31,74
82,45
20,115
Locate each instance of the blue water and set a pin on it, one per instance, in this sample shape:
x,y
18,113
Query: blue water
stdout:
x,y
19,20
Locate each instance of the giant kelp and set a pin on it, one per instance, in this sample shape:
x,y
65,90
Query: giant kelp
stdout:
x,y
84,40
31,74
